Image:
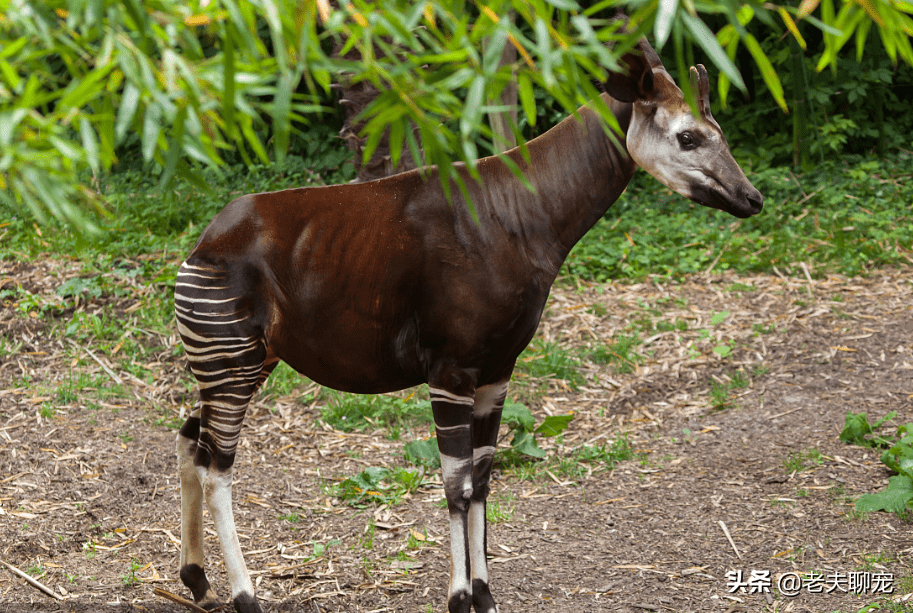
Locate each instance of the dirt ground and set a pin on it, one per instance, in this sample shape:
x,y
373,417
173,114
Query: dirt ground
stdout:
x,y
89,498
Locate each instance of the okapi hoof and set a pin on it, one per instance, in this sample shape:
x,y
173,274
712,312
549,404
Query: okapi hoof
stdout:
x,y
482,602
246,603
195,579
460,602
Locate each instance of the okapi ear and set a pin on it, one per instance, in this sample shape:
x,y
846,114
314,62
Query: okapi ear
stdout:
x,y
636,83
700,85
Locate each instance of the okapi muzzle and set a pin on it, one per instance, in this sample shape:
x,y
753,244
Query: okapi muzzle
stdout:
x,y
384,285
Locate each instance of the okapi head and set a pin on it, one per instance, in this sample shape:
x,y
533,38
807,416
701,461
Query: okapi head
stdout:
x,y
686,153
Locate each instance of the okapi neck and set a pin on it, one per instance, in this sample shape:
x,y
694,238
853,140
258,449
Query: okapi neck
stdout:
x,y
578,173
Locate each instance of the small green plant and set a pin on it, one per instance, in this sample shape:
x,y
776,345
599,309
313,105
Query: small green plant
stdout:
x,y
321,549
130,578
417,540
283,381
720,392
688,436
423,453
47,410
522,425
88,549
292,518
36,571
547,360
800,460
378,486
856,428
500,508
357,412
606,455
898,496
9,347
367,539
719,395
619,353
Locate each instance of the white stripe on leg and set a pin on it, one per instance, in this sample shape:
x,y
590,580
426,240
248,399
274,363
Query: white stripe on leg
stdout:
x,y
459,581
218,496
477,540
488,397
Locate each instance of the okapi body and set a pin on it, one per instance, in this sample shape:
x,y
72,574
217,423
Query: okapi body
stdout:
x,y
380,286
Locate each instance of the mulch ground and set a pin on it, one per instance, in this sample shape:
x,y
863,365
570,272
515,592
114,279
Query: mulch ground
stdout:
x,y
89,498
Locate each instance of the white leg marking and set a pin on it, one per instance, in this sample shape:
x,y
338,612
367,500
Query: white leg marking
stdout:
x,y
486,398
218,496
458,579
477,541
449,397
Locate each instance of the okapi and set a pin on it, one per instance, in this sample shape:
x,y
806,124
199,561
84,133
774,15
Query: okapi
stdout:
x,y
380,286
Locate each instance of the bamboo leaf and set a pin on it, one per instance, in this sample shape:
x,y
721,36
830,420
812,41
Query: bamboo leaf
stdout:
x,y
711,46
128,104
527,99
396,141
151,128
89,143
282,125
791,26
806,8
175,148
473,111
767,70
662,27
66,148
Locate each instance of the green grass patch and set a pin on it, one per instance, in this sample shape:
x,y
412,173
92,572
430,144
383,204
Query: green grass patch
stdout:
x,y
547,360
802,460
357,413
619,353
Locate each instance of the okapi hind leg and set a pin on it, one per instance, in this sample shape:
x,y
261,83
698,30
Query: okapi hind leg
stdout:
x,y
192,553
191,565
228,356
209,477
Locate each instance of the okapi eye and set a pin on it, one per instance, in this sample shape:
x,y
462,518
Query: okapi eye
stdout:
x,y
687,140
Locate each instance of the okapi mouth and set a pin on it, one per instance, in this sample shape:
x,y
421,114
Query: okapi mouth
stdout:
x,y
745,202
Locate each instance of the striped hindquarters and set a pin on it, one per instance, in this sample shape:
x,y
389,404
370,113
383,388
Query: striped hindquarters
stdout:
x,y
225,350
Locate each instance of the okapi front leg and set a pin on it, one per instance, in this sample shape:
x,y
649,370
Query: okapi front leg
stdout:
x,y
453,425
489,403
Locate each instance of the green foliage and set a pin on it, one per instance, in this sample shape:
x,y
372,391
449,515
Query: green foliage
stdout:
x,y
176,83
522,425
357,412
548,360
898,497
619,353
378,486
608,454
86,85
423,453
800,460
857,427
500,508
857,107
